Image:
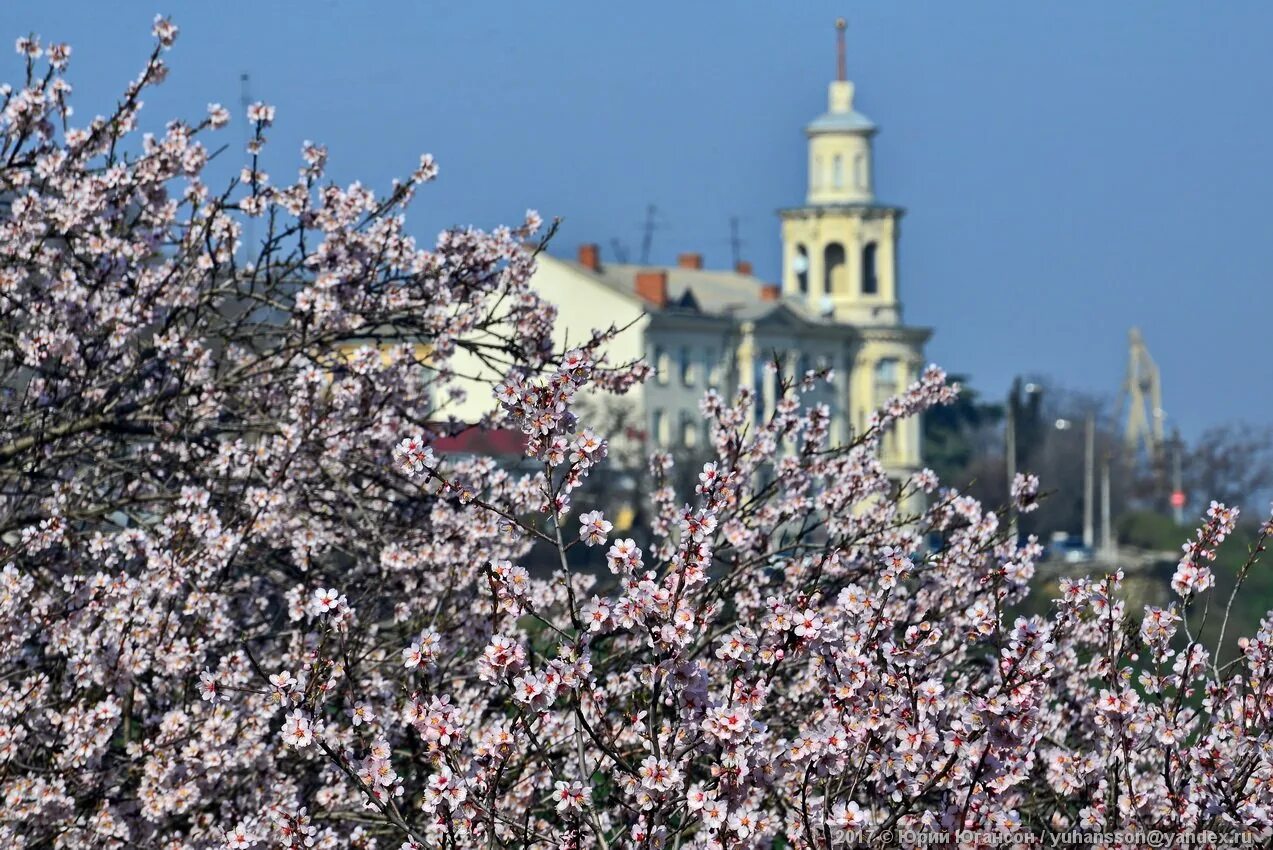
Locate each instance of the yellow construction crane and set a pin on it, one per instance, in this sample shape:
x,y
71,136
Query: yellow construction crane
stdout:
x,y
1142,397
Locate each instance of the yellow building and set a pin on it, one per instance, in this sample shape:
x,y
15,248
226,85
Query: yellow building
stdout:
x,y
840,261
838,305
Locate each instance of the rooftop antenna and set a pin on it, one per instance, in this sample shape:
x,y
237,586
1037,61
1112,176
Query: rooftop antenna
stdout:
x,y
245,97
620,250
735,241
647,238
841,72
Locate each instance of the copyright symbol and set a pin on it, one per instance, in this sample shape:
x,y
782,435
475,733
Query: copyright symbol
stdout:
x,y
1155,838
885,838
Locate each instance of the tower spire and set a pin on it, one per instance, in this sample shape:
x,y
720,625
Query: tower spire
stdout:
x,y
840,71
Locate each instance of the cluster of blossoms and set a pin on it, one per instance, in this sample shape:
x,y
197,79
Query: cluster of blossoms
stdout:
x,y
1192,573
244,603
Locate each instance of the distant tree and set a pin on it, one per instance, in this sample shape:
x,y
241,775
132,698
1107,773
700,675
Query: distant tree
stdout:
x,y
956,436
965,445
1231,463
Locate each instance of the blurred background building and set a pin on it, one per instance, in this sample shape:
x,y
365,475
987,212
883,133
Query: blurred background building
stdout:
x,y
837,308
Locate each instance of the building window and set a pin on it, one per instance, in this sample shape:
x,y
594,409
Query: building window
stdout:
x,y
837,172
833,277
800,265
885,379
658,427
711,367
859,170
689,431
661,364
817,172
686,367
870,282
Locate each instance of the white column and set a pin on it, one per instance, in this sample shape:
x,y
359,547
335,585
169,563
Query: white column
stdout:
x,y
853,265
789,286
744,361
916,433
844,396
817,269
886,265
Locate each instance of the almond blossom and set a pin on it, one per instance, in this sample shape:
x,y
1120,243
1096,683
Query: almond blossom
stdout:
x,y
247,599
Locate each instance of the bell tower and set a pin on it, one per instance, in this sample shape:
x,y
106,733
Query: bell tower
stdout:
x,y
840,248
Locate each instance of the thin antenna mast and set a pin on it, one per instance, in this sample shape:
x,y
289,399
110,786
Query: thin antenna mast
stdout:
x,y
647,238
735,242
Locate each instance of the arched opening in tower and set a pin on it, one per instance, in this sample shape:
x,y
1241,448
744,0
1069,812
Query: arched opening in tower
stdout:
x,y
870,283
834,279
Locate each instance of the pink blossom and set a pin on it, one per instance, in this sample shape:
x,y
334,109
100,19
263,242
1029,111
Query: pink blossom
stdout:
x,y
326,599
261,114
593,528
208,686
297,731
571,796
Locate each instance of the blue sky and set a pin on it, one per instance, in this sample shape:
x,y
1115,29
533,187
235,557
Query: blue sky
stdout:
x,y
1069,170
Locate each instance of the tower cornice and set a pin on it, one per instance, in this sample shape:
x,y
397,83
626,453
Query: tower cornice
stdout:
x,y
863,210
909,334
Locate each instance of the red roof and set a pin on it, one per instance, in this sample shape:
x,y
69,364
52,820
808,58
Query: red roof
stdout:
x,y
483,441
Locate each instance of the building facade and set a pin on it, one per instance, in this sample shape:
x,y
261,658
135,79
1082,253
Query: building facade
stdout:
x,y
837,306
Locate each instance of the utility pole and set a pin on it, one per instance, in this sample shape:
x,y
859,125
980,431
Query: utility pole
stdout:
x,y
1177,484
1089,481
1107,538
1033,393
1010,455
